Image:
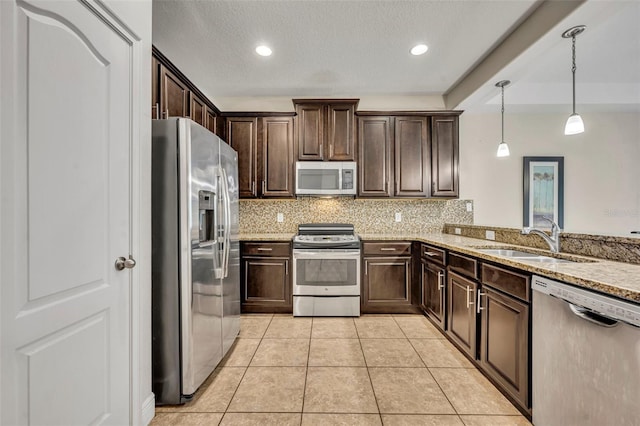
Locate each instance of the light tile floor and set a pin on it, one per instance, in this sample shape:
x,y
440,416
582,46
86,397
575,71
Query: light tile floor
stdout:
x,y
372,370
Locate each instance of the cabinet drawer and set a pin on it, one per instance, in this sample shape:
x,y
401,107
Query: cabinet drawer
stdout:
x,y
510,282
266,249
390,248
433,254
463,265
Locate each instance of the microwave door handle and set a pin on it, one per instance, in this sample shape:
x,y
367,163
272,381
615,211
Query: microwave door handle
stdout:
x,y
340,173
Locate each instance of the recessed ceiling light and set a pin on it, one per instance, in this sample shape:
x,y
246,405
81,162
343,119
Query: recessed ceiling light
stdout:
x,y
419,49
263,50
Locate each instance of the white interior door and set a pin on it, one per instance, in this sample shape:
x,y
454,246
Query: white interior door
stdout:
x,y
66,214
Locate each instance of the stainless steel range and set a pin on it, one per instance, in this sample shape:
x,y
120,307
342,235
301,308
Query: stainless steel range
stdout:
x,y
326,270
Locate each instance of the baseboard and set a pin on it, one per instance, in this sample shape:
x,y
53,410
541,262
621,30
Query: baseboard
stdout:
x,y
148,409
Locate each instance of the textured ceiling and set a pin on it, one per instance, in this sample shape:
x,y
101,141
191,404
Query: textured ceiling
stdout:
x,y
328,48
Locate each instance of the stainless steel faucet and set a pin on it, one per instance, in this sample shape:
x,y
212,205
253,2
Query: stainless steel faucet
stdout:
x,y
553,240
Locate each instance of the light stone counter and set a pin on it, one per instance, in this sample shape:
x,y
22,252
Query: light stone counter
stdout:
x,y
267,237
614,278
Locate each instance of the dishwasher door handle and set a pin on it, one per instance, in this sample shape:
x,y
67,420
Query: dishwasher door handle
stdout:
x,y
589,315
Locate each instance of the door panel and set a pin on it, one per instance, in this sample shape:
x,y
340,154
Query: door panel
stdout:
x,y
277,157
444,156
66,322
374,141
310,131
341,132
242,134
461,313
411,154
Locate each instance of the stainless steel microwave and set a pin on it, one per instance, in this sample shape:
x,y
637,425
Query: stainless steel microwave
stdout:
x,y
326,178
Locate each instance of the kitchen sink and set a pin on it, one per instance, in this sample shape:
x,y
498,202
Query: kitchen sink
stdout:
x,y
530,257
509,253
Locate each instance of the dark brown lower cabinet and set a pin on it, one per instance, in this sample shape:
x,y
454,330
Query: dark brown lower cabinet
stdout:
x,y
265,277
504,347
433,281
461,312
386,285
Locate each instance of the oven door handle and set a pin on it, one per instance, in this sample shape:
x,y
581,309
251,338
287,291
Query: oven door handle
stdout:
x,y
325,255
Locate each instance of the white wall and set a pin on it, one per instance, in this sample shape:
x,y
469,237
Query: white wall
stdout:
x,y
601,166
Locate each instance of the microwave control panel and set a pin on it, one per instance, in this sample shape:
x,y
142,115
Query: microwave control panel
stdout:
x,y
347,179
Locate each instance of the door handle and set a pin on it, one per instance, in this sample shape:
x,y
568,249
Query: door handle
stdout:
x,y
387,249
479,304
124,263
431,253
469,302
440,280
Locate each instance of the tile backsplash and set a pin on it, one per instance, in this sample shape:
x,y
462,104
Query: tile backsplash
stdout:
x,y
367,215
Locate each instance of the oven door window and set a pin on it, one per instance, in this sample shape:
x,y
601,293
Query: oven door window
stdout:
x,y
326,272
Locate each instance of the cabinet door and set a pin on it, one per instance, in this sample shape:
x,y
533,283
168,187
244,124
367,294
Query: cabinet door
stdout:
x,y
461,312
374,160
174,95
197,109
386,284
411,154
276,153
211,121
433,291
310,119
340,132
444,156
504,347
242,136
266,284
155,88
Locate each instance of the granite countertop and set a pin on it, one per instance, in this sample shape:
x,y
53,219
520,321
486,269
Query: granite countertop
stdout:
x,y
266,237
615,278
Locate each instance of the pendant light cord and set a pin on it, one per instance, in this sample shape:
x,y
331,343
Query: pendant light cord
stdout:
x,y
502,113
573,70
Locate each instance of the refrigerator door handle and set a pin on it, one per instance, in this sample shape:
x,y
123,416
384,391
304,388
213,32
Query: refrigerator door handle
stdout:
x,y
227,225
218,259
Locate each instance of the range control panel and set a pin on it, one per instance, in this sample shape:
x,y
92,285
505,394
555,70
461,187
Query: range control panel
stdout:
x,y
604,305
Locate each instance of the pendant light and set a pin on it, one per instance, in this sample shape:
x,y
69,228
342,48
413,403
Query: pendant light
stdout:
x,y
574,124
503,148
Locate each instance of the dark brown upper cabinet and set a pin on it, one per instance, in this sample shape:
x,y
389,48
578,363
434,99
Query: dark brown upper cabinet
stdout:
x,y
397,156
411,150
375,156
326,129
211,122
276,156
444,156
242,135
174,95
155,88
265,154
198,109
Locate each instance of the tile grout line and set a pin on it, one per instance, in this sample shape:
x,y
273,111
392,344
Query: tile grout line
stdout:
x,y
434,379
368,373
306,371
245,369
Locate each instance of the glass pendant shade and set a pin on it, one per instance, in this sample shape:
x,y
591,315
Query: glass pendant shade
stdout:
x,y
574,125
503,150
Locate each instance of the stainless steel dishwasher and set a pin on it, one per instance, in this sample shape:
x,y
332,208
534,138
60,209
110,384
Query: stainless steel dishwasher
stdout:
x,y
586,357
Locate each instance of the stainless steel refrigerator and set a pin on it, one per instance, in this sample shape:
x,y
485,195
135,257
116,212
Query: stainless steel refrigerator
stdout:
x,y
195,256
